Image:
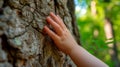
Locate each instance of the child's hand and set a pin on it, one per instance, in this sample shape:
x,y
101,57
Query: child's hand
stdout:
x,y
62,36
66,43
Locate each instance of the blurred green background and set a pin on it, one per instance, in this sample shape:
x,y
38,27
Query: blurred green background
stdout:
x,y
99,27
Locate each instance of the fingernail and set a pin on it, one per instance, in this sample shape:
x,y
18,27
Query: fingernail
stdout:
x,y
57,15
48,18
44,28
51,13
44,31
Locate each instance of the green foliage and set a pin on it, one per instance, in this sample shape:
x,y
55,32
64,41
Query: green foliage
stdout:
x,y
92,32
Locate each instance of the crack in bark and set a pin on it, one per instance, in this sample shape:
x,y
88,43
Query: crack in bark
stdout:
x,y
73,22
55,3
29,36
15,36
9,49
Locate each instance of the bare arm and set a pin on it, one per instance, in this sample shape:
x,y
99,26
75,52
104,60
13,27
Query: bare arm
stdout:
x,y
84,59
66,43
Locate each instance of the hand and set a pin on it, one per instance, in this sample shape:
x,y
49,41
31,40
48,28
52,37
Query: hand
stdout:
x,y
66,43
62,36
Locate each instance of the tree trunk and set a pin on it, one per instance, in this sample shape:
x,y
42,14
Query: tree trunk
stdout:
x,y
109,32
22,42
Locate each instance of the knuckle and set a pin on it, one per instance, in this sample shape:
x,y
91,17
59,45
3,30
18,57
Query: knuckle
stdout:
x,y
58,27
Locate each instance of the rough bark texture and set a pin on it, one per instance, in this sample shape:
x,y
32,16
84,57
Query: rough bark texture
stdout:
x,y
22,43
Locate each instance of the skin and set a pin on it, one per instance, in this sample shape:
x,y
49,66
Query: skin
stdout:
x,y
67,44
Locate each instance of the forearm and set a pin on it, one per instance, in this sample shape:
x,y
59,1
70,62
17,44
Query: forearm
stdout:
x,y
84,59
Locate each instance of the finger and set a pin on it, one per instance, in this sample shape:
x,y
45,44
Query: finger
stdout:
x,y
56,19
56,27
61,21
50,33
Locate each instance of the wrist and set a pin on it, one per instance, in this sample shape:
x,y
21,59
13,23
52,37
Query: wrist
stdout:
x,y
73,49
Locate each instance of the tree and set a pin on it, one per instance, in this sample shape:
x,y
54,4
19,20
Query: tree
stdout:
x,y
22,42
100,25
110,36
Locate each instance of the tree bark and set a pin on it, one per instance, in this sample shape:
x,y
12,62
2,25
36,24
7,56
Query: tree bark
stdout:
x,y
22,42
